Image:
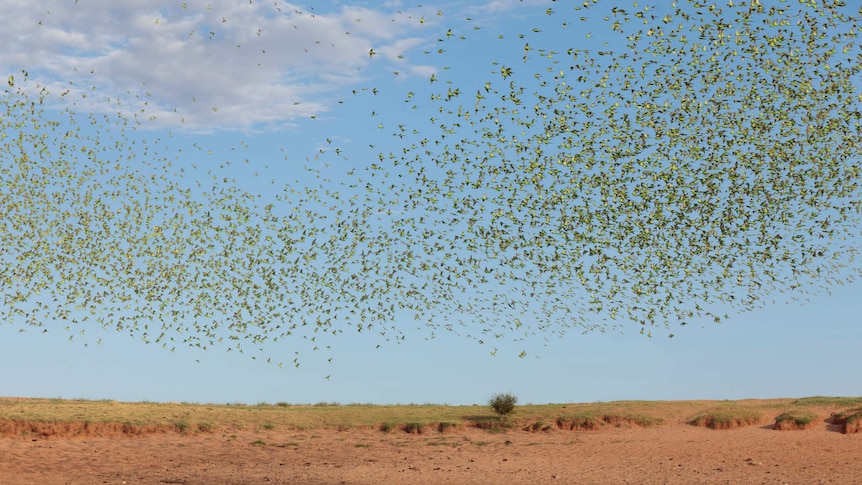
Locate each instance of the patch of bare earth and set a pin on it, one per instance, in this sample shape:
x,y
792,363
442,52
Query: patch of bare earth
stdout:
x,y
616,450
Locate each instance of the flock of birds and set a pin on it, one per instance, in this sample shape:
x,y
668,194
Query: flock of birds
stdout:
x,y
714,160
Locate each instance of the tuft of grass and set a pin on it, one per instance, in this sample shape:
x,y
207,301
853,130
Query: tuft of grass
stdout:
x,y
794,421
579,423
641,420
267,426
853,423
850,420
536,426
843,416
206,427
387,426
493,425
414,428
258,443
447,426
728,419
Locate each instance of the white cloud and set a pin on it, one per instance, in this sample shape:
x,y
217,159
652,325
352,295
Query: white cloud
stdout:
x,y
422,70
230,64
497,6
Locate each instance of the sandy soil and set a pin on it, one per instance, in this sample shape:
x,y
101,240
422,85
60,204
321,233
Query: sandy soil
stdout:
x,y
670,453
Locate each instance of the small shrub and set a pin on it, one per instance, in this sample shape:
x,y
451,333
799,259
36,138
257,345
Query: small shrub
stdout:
x,y
387,427
267,426
503,404
536,426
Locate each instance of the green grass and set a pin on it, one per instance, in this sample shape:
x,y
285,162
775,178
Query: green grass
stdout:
x,y
850,420
538,426
847,415
728,418
43,415
853,422
234,416
589,421
797,420
843,402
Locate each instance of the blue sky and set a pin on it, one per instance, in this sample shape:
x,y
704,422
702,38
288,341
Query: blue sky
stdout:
x,y
281,89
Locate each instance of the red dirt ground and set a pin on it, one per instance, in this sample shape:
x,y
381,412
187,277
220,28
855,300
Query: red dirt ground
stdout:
x,y
676,453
